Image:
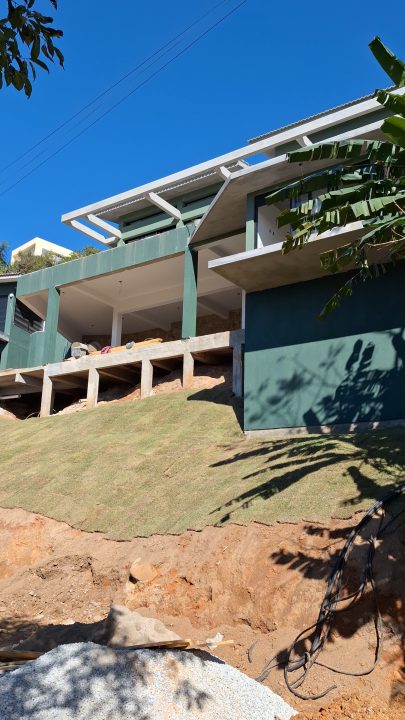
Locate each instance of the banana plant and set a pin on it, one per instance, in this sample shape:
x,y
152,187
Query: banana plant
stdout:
x,y
367,185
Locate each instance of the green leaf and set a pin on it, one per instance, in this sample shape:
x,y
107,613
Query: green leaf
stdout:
x,y
394,127
394,67
18,80
395,103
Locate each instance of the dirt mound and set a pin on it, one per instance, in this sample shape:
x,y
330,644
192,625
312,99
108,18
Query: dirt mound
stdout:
x,y
258,585
205,377
357,707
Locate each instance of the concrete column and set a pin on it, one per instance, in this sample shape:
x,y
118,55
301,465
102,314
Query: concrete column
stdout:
x,y
116,331
243,318
188,370
51,326
237,371
146,378
189,325
47,397
92,387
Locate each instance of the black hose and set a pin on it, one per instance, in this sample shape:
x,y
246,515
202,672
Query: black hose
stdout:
x,y
329,607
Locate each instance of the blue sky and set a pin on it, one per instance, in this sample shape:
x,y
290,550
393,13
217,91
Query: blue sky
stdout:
x,y
267,65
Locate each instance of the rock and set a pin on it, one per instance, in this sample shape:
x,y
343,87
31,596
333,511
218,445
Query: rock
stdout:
x,y
126,628
142,572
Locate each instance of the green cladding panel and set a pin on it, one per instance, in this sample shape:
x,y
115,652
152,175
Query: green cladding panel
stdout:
x,y
349,368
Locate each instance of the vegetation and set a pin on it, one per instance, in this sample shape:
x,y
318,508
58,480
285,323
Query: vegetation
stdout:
x,y
180,461
26,263
26,43
367,185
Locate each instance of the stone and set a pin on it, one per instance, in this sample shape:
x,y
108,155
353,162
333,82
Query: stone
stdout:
x,y
142,572
126,628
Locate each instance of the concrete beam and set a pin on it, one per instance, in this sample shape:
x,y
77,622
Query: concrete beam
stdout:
x,y
24,379
164,205
123,374
103,225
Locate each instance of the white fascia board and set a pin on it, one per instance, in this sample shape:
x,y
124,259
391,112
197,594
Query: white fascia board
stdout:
x,y
362,108
103,225
164,205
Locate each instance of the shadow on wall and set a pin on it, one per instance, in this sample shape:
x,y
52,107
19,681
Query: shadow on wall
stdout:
x,y
363,394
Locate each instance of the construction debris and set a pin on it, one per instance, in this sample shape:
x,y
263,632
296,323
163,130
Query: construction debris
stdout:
x,y
91,682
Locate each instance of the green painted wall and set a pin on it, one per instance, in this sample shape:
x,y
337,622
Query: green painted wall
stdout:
x,y
300,371
140,252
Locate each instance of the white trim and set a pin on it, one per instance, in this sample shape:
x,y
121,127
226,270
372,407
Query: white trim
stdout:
x,y
164,205
224,172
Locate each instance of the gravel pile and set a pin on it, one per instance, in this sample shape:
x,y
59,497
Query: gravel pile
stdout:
x,y
84,681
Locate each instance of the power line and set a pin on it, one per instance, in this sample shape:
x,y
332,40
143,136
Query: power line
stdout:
x,y
174,41
125,97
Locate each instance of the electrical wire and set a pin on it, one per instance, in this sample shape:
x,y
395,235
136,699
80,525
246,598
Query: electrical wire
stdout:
x,y
172,42
127,95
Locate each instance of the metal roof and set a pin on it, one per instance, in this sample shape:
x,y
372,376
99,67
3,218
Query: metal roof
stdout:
x,y
322,114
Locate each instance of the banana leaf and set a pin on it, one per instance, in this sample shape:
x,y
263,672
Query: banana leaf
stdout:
x,y
394,67
394,127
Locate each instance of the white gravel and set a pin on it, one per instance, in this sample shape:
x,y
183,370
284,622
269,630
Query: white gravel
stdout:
x,y
84,681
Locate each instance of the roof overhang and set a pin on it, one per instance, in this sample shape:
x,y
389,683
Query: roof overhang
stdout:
x,y
268,267
90,219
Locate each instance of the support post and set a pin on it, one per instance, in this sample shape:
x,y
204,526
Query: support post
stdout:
x,y
146,379
188,369
51,325
189,325
116,331
47,398
237,371
250,223
92,387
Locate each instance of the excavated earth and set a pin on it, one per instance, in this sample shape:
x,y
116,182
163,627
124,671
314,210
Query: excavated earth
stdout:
x,y
257,585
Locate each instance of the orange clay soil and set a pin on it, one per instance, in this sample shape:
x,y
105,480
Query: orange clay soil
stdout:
x,y
258,585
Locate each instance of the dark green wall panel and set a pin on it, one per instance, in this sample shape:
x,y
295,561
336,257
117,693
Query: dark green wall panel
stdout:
x,y
300,371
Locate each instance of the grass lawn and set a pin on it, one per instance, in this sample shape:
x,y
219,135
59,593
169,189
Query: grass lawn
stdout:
x,y
180,461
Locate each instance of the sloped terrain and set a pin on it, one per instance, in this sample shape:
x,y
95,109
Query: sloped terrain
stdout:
x,y
180,461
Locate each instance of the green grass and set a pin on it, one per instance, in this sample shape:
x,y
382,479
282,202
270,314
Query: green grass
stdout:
x,y
181,461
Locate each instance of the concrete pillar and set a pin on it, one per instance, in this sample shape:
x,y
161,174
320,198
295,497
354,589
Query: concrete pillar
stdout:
x,y
116,331
243,317
92,387
51,326
146,378
189,325
188,370
237,371
47,397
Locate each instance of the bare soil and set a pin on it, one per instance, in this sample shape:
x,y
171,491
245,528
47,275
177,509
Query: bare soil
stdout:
x,y
205,378
258,585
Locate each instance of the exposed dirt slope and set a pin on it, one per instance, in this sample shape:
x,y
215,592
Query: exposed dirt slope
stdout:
x,y
255,584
